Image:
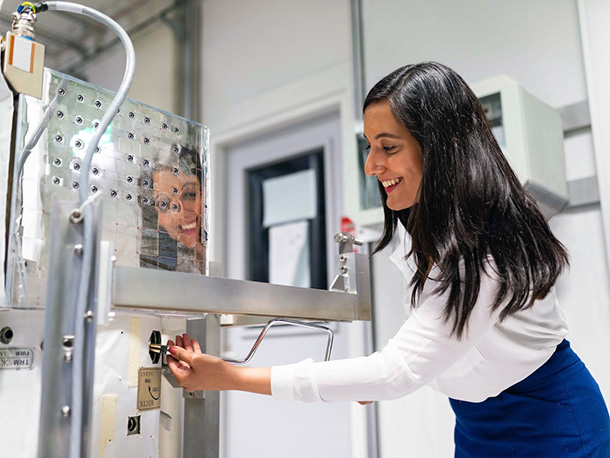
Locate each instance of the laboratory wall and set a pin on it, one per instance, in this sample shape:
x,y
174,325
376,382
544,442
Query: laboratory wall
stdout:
x,y
155,78
264,59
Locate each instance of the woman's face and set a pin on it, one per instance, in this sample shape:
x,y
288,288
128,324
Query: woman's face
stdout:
x,y
178,204
395,157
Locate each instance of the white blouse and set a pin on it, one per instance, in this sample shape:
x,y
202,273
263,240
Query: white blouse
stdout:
x,y
491,356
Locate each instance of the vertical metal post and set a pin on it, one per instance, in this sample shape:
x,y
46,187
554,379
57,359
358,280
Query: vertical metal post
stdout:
x,y
69,338
357,57
202,409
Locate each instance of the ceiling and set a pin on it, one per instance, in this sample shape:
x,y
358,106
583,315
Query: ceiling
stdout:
x,y
71,40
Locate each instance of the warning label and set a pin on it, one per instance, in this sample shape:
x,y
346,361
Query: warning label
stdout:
x,y
149,388
16,358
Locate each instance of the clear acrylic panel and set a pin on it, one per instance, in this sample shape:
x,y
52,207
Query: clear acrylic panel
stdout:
x,y
150,170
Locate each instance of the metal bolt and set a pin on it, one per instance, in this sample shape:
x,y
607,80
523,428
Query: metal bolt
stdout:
x,y
342,258
146,141
130,136
97,149
129,197
129,180
145,183
78,120
144,200
129,158
164,126
175,170
60,114
61,91
146,120
343,269
89,316
78,144
59,138
57,161
175,149
175,130
76,216
78,249
96,124
145,162
93,189
65,411
113,193
68,356
97,104
340,237
95,171
56,181
80,98
6,335
132,114
76,166
75,185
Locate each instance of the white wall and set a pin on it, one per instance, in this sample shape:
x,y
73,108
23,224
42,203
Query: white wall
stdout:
x,y
155,79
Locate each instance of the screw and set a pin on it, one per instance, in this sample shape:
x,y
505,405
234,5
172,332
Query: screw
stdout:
x,y
78,249
175,130
97,149
175,171
175,149
57,161
146,162
132,114
146,141
146,120
76,166
93,189
343,269
78,144
97,104
65,411
80,98
89,316
129,180
342,258
60,114
56,181
78,120
68,356
75,185
130,136
113,193
59,138
144,200
61,91
129,197
76,216
95,171
164,126
96,124
145,183
129,158
6,335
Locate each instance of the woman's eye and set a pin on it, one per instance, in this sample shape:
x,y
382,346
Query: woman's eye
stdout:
x,y
388,148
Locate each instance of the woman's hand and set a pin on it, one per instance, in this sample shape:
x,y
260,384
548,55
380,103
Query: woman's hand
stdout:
x,y
193,369
197,371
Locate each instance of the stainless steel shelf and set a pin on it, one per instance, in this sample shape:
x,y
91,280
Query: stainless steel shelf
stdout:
x,y
163,291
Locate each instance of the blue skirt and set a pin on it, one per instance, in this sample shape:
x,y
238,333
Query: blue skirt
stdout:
x,y
557,412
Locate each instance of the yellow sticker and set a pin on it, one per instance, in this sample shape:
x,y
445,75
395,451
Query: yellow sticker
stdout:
x,y
149,388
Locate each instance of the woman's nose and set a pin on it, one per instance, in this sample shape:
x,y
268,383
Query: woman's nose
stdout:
x,y
373,166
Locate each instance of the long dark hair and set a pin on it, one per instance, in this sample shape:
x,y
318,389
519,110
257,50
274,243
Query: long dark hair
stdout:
x,y
471,204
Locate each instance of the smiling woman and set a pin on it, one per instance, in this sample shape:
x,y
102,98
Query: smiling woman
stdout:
x,y
486,328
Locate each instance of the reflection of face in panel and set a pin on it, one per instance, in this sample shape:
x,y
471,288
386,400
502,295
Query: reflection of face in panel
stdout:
x,y
178,205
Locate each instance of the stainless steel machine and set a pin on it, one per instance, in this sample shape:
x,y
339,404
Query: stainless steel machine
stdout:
x,y
106,206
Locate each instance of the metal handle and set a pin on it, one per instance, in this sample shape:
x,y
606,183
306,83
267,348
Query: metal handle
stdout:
x,y
329,345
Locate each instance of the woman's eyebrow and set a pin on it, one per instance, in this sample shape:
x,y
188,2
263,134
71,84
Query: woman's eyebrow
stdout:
x,y
386,135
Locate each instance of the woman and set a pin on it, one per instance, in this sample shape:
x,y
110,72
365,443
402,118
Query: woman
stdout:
x,y
486,328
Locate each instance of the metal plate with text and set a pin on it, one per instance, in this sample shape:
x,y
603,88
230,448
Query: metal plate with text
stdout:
x,y
16,358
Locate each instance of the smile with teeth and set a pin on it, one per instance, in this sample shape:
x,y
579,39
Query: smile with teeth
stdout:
x,y
188,227
391,182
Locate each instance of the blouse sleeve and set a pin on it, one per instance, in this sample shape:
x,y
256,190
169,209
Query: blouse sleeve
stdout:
x,y
422,349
